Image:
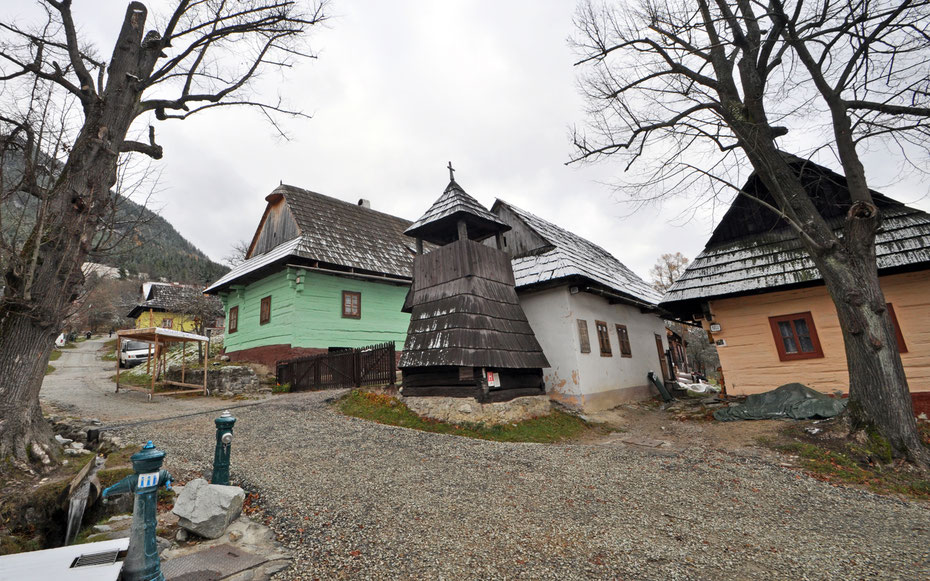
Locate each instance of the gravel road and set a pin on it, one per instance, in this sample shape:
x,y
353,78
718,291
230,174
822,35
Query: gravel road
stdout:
x,y
81,385
358,500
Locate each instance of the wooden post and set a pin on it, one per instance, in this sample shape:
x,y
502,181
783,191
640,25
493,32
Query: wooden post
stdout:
x,y
148,362
154,367
206,358
463,230
419,246
151,318
119,350
183,359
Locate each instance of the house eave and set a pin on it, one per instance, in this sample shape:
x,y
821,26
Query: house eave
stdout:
x,y
585,284
684,309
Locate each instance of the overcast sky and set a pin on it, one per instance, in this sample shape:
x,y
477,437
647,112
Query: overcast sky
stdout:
x,y
399,89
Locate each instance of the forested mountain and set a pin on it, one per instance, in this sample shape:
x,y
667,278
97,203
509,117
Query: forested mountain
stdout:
x,y
133,238
150,245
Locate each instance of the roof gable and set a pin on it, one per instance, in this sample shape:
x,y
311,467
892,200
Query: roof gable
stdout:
x,y
569,255
330,232
752,251
277,226
827,189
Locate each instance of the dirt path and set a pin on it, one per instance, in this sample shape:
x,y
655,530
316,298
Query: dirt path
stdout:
x,y
686,426
81,385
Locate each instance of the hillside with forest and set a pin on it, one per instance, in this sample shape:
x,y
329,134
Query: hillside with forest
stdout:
x,y
133,238
149,245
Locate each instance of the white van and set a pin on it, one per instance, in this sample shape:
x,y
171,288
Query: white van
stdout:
x,y
133,353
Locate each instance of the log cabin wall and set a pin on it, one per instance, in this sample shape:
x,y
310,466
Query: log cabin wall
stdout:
x,y
750,359
309,314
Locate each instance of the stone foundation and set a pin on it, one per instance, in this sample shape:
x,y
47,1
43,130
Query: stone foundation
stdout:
x,y
269,355
457,409
223,380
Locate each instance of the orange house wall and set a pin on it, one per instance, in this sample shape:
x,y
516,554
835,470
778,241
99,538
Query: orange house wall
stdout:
x,y
750,360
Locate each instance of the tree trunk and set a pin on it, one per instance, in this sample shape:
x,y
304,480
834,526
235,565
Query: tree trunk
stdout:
x,y
47,276
24,351
879,397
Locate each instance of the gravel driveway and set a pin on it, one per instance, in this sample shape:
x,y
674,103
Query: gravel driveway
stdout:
x,y
81,385
360,500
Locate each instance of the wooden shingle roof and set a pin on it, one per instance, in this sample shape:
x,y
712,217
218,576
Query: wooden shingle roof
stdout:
x,y
569,255
465,312
438,224
334,233
752,250
172,298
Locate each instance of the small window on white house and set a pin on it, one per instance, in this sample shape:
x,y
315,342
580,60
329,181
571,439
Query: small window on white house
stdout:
x,y
583,336
603,338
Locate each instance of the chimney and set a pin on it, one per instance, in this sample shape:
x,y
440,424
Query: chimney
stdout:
x,y
364,203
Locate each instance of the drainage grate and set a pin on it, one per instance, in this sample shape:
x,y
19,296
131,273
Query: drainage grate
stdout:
x,y
105,558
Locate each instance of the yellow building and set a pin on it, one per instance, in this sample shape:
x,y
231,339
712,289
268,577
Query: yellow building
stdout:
x,y
759,295
173,306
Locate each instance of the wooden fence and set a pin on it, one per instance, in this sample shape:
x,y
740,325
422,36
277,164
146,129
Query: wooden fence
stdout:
x,y
372,365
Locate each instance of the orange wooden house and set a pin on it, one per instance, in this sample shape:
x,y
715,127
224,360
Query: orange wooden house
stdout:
x,y
759,295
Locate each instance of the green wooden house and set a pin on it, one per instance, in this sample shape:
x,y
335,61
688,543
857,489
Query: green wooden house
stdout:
x,y
320,274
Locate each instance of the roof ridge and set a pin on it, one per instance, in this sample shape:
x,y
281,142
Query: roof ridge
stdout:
x,y
569,232
298,189
568,249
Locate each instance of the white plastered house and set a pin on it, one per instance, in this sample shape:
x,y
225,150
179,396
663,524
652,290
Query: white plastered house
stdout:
x,y
596,320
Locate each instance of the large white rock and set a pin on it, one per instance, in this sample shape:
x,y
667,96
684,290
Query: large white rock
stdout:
x,y
207,509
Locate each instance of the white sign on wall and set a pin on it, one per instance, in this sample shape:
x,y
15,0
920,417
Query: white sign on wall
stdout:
x,y
494,380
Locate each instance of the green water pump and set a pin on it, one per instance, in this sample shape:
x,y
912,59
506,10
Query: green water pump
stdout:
x,y
142,562
224,436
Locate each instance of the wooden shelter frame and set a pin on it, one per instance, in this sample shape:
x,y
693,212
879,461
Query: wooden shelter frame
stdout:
x,y
158,338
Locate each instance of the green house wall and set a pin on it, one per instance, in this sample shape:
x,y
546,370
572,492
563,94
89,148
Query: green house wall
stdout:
x,y
309,314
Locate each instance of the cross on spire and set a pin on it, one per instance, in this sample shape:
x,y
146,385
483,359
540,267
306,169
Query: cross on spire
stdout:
x,y
451,172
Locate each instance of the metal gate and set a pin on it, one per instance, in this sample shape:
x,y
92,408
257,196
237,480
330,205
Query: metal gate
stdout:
x,y
372,365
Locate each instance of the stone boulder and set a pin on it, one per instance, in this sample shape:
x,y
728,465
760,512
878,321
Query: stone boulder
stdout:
x,y
207,509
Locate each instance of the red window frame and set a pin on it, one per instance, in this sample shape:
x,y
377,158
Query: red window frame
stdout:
x,y
623,336
603,338
902,346
264,315
796,335
234,319
351,305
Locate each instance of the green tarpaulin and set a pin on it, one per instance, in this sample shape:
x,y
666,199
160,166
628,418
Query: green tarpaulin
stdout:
x,y
794,400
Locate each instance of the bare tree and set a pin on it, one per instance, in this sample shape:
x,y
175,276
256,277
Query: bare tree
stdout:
x,y
667,269
687,91
237,252
204,54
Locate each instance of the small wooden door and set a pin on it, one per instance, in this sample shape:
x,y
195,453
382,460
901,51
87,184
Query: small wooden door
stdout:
x,y
662,359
